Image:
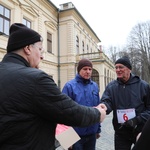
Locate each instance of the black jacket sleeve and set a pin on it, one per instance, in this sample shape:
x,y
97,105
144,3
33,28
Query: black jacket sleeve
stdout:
x,y
143,141
51,104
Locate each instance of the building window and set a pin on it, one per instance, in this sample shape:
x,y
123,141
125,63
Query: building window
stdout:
x,y
105,77
95,77
4,20
83,46
26,22
91,50
49,42
87,49
77,44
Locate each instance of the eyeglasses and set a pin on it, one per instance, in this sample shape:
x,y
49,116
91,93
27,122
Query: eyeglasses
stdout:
x,y
41,49
119,67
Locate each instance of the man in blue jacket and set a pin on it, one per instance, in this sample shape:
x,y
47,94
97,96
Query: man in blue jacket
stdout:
x,y
85,92
129,98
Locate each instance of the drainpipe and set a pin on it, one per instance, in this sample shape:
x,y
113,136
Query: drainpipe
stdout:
x,y
58,50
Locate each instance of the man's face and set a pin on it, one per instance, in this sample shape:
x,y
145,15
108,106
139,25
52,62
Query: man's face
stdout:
x,y
86,72
36,54
123,72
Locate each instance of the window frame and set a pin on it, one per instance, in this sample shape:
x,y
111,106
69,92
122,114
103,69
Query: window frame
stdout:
x,y
26,22
49,42
5,18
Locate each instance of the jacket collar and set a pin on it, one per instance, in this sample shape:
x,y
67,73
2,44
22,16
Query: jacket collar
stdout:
x,y
15,58
133,79
82,80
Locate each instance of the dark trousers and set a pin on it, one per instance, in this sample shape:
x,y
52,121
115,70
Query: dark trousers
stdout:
x,y
85,143
122,142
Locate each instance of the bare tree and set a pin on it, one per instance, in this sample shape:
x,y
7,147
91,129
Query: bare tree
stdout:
x,y
139,49
116,52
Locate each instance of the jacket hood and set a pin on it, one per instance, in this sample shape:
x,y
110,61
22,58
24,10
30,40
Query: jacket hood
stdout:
x,y
133,79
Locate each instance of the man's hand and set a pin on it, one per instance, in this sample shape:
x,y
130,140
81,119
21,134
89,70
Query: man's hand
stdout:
x,y
103,106
131,123
97,135
102,109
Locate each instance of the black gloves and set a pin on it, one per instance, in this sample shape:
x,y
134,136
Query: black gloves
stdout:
x,y
132,122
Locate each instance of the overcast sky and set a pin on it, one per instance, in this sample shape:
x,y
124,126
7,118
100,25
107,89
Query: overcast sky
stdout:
x,y
111,20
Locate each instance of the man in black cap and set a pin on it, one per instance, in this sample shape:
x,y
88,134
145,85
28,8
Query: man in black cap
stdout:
x,y
31,104
85,92
129,98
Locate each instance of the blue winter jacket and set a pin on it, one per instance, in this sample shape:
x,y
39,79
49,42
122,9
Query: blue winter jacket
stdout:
x,y
84,92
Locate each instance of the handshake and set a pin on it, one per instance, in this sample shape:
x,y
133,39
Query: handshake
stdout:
x,y
102,108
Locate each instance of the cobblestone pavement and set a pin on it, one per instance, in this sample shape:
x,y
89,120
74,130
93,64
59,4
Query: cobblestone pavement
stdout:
x,y
106,141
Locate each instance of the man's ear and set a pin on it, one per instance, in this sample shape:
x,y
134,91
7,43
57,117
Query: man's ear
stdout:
x,y
27,50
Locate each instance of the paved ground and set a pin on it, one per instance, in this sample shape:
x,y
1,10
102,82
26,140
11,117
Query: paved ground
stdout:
x,y
106,141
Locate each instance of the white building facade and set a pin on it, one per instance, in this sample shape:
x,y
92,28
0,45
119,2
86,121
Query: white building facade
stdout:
x,y
67,38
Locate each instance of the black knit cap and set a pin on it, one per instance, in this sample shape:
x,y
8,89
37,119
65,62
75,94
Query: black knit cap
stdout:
x,y
84,62
125,61
21,36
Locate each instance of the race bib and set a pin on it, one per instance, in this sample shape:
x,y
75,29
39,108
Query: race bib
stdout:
x,y
125,114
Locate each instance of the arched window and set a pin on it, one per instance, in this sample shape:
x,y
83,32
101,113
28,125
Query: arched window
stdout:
x,y
95,77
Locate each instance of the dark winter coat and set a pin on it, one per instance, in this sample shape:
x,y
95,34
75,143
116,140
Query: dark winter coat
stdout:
x,y
31,105
133,94
144,140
